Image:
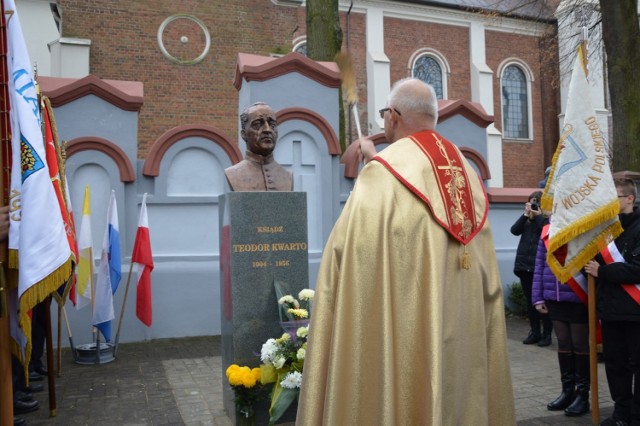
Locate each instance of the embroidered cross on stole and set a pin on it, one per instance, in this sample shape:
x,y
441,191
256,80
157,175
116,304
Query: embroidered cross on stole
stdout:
x,y
458,216
453,184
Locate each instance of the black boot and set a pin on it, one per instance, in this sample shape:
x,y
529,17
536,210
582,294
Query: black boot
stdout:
x,y
532,338
568,386
580,405
545,340
547,328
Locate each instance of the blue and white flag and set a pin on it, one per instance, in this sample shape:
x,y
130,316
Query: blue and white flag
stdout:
x,y
109,272
38,247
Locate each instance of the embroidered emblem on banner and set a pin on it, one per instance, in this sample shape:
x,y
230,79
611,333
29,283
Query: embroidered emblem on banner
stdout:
x,y
31,161
453,184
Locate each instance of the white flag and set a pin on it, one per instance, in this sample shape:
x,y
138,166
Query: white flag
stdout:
x,y
580,191
38,245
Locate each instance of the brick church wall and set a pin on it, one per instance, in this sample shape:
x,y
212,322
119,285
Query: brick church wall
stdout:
x,y
523,160
403,38
124,47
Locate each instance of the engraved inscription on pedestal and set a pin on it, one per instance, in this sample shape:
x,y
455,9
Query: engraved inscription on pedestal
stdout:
x,y
263,239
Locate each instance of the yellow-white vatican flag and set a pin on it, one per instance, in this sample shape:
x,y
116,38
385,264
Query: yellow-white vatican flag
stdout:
x,y
580,191
84,284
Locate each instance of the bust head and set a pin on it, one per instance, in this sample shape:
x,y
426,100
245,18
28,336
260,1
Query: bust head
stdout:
x,y
259,128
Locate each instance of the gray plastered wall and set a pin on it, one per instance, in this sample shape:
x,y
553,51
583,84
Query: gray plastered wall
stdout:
x,y
183,200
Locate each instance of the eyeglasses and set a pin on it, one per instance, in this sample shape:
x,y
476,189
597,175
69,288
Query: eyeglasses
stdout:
x,y
622,196
383,110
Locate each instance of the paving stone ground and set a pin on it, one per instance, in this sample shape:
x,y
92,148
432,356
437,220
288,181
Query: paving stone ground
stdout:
x,y
179,382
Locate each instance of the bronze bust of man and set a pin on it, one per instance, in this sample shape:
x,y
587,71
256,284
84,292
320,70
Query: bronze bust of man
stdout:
x,y
259,171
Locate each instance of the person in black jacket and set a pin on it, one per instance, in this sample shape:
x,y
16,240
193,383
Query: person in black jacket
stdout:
x,y
528,227
619,313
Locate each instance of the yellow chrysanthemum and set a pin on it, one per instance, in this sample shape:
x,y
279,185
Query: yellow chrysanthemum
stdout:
x,y
235,378
256,373
285,337
299,313
243,376
248,379
231,368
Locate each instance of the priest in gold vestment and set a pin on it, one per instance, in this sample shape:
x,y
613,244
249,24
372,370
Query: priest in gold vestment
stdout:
x,y
408,322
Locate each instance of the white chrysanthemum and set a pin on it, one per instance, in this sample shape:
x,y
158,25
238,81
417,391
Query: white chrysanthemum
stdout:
x,y
278,361
286,299
301,353
306,294
269,349
293,380
302,332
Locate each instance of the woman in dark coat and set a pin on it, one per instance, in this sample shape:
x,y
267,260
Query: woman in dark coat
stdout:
x,y
528,227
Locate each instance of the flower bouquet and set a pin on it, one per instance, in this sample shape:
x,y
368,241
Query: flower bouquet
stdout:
x,y
283,360
246,386
293,313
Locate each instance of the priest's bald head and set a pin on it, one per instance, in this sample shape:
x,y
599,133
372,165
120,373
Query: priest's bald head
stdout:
x,y
412,107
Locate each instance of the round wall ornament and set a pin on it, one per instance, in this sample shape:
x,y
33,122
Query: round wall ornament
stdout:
x,y
178,37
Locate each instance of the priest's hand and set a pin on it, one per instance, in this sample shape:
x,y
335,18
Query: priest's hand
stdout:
x,y
366,149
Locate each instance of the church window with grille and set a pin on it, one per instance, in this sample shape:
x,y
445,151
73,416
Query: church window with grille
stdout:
x,y
515,103
301,48
427,69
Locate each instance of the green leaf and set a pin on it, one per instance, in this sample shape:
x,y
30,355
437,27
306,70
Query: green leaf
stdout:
x,y
282,399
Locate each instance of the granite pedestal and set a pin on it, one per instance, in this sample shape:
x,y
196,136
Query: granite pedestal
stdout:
x,y
264,239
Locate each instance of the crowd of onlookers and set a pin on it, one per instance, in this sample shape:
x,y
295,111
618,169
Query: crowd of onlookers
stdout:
x,y
557,306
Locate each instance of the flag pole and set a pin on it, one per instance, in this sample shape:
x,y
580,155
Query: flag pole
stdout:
x,y
59,341
124,301
53,406
71,345
591,288
97,345
593,356
60,301
6,374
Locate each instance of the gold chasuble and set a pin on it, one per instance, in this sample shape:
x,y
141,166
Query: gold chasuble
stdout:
x,y
408,320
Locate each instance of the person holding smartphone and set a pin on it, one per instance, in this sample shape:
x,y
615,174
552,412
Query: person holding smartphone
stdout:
x,y
528,227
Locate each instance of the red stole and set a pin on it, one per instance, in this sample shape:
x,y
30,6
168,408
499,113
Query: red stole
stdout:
x,y
453,186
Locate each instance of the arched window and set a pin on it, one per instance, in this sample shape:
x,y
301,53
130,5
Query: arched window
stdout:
x,y
300,47
428,66
515,103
